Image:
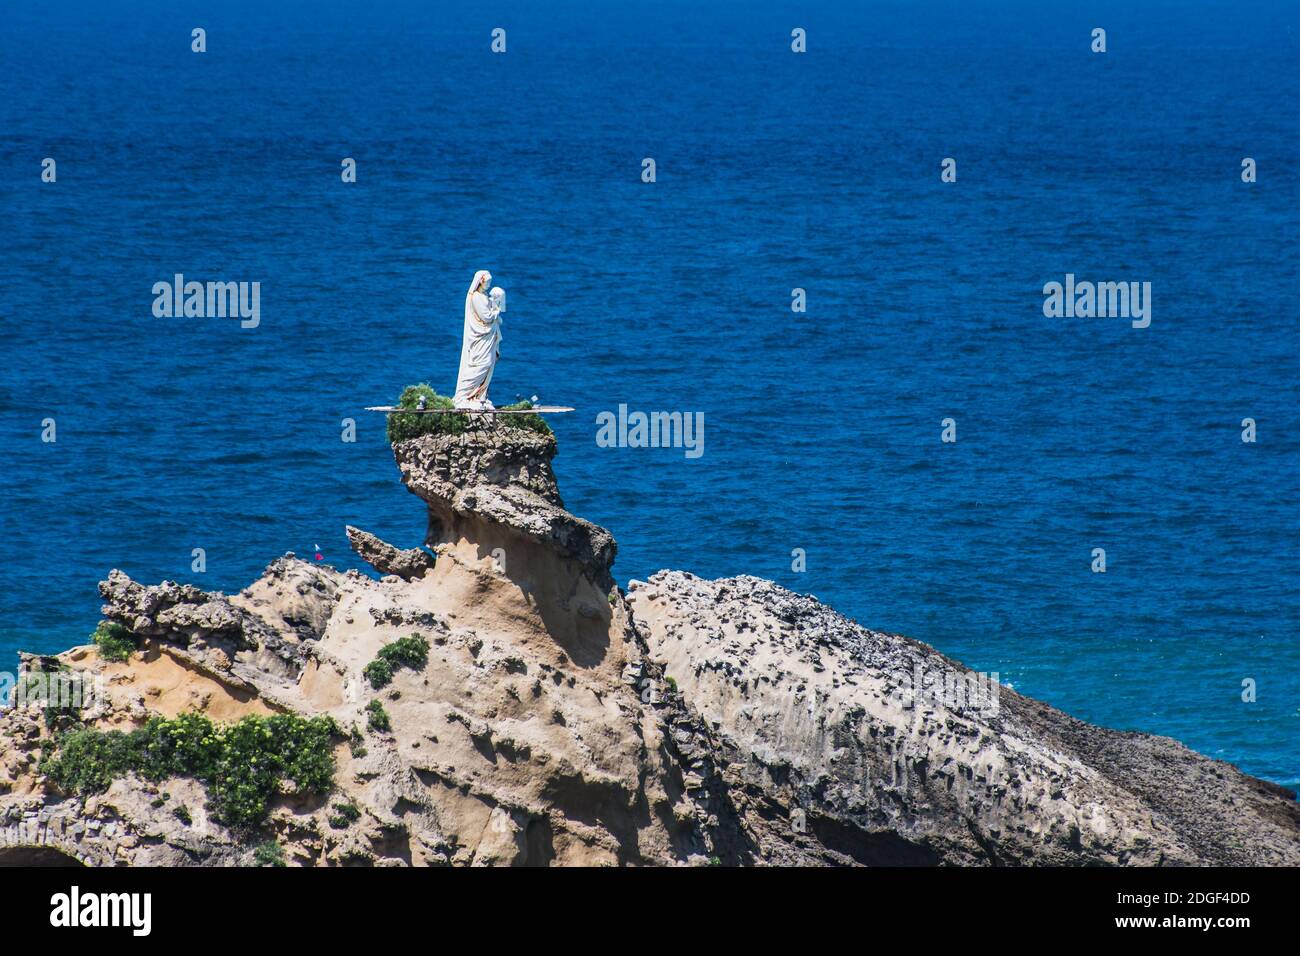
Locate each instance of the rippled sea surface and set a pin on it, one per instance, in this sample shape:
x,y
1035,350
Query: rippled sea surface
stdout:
x,y
775,171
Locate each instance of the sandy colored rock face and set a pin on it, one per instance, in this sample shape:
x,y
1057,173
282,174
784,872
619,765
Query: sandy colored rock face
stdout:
x,y
497,488
163,680
557,723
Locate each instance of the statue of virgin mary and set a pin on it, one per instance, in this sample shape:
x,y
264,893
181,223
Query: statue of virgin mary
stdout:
x,y
481,345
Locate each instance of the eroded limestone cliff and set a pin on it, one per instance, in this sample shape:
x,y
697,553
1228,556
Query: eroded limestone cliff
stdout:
x,y
558,721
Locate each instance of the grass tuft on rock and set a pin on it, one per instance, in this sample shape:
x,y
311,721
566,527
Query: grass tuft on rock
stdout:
x,y
403,427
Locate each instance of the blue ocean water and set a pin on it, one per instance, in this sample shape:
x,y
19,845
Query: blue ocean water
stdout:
x,y
774,171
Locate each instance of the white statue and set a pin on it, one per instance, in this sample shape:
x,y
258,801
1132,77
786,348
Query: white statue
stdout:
x,y
481,346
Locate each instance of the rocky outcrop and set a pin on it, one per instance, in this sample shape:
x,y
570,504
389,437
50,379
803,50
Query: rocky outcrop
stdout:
x,y
267,628
496,488
557,722
839,744
407,563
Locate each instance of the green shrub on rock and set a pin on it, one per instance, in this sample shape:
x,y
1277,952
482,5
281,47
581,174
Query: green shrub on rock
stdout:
x,y
242,764
345,815
114,641
530,423
377,717
402,427
88,760
412,652
306,750
378,672
269,853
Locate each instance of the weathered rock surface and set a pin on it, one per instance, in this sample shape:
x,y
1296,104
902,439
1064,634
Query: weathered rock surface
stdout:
x,y
830,754
497,488
265,629
558,723
385,558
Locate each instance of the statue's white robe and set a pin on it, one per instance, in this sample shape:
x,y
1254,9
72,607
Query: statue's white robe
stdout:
x,y
479,349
